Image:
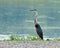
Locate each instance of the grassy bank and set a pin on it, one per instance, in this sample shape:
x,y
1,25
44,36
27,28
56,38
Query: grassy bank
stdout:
x,y
27,38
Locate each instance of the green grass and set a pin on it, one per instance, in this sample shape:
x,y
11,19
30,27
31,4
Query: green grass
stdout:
x,y
57,39
27,38
19,38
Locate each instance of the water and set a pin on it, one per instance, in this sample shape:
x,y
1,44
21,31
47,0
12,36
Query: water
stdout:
x,y
17,19
4,37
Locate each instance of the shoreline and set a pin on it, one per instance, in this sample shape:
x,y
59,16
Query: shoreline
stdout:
x,y
6,37
30,44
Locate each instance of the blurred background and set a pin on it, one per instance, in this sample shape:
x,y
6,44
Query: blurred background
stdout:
x,y
15,17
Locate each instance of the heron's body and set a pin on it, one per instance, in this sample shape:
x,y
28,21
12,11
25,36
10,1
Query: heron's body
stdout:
x,y
37,26
39,31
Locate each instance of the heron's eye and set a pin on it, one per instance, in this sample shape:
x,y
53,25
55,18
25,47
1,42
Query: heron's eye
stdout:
x,y
35,10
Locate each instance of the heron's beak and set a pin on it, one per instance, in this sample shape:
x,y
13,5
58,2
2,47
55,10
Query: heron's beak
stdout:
x,y
34,10
31,10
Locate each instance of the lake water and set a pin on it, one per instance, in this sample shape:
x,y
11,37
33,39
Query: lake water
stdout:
x,y
17,19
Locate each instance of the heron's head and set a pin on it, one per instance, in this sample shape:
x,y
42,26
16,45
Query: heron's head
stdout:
x,y
35,11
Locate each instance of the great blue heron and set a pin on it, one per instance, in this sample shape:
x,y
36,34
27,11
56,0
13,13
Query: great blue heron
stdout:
x,y
37,26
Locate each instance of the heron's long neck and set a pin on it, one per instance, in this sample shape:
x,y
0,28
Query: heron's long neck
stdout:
x,y
36,13
35,18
